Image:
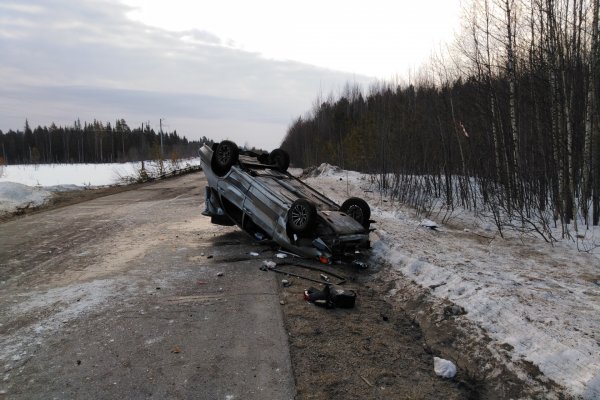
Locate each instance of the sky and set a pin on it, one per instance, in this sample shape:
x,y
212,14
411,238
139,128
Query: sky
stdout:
x,y
224,69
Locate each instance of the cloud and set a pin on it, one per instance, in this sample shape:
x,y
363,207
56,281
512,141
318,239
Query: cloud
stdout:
x,y
67,59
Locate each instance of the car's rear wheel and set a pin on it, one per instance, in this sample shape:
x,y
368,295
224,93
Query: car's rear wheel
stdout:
x,y
280,158
224,157
302,216
358,209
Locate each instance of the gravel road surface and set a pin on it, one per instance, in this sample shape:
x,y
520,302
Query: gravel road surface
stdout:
x,y
136,295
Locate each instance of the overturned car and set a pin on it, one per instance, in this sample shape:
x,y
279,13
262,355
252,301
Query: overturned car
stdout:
x,y
255,192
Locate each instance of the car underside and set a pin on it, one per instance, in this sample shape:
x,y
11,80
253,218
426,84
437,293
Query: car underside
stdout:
x,y
255,192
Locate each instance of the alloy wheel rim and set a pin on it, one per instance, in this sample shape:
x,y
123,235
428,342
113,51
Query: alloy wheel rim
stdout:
x,y
299,215
223,154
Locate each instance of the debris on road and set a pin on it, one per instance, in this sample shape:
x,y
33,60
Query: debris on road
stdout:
x,y
254,254
360,264
220,273
331,296
427,223
286,283
340,297
281,255
176,350
267,265
313,294
444,368
277,268
366,381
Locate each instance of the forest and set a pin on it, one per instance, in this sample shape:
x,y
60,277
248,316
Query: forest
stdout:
x,y
506,121
94,142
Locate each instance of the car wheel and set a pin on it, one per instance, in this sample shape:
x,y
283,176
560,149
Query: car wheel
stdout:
x,y
280,158
302,216
224,157
357,209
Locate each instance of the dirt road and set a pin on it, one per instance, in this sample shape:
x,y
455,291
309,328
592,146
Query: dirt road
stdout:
x,y
136,295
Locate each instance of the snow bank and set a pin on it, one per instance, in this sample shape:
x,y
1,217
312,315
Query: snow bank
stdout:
x,y
541,301
45,175
32,185
15,195
323,170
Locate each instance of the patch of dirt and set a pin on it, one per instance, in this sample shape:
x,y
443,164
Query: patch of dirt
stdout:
x,y
384,346
371,351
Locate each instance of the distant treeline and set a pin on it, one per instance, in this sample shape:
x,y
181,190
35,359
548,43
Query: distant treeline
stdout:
x,y
94,142
512,115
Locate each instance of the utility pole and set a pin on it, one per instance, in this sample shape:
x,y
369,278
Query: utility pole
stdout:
x,y
161,141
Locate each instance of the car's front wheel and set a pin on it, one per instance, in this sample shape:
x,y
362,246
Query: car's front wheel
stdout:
x,y
302,216
358,209
225,155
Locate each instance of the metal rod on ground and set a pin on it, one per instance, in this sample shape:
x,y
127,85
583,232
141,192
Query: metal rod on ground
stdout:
x,y
341,278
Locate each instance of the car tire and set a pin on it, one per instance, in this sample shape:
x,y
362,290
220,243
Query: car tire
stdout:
x,y
280,159
358,209
302,216
224,157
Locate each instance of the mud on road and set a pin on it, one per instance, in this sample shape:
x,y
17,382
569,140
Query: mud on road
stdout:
x,y
136,295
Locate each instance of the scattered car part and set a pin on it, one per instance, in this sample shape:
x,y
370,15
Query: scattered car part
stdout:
x,y
340,297
331,296
360,264
268,267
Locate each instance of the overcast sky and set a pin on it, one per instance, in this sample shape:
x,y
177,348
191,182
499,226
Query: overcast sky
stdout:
x,y
242,70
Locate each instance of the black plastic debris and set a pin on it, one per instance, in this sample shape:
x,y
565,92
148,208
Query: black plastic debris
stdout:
x,y
331,296
340,297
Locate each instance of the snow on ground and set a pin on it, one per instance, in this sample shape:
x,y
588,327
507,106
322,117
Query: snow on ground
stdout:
x,y
542,301
32,185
